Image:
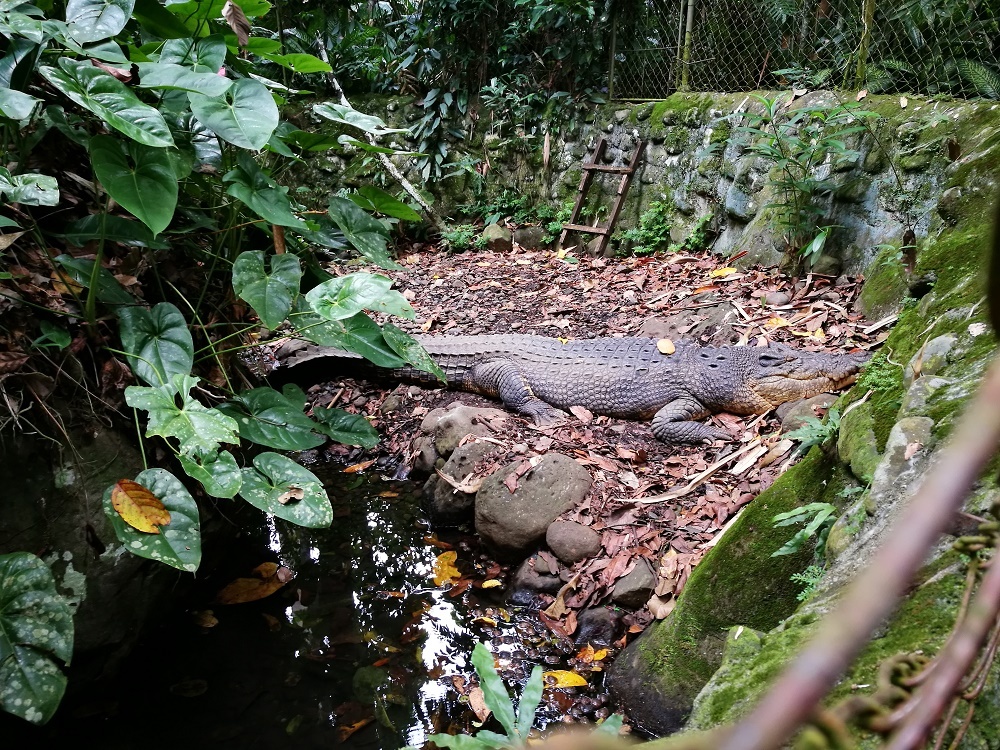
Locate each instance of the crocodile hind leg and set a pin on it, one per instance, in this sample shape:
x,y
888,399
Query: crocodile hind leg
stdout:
x,y
502,379
674,423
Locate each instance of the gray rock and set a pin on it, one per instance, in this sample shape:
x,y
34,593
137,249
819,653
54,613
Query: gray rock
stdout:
x,y
530,238
776,299
634,589
795,413
894,462
530,580
513,523
498,239
856,442
826,265
916,397
948,204
621,115
930,359
426,454
739,205
597,626
450,425
444,503
571,541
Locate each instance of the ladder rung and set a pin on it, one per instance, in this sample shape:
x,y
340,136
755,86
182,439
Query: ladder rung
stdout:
x,y
606,168
584,228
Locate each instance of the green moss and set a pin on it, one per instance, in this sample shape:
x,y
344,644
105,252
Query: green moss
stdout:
x,y
856,442
885,284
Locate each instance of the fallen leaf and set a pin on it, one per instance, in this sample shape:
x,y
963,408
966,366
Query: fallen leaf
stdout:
x,y
444,568
205,618
477,702
582,414
912,448
354,469
776,322
562,678
291,495
491,584
469,485
11,361
6,240
903,102
720,272
665,346
268,578
861,95
138,507
121,74
237,21
346,730
660,607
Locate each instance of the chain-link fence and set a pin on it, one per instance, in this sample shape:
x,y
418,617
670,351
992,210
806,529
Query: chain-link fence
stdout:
x,y
949,47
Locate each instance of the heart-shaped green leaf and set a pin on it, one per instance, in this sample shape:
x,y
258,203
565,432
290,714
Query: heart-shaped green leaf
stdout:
x,y
108,291
269,418
347,428
36,628
410,349
140,178
218,473
345,296
110,100
299,62
347,115
245,115
202,56
260,193
112,229
279,486
158,342
93,20
29,189
367,234
16,105
161,75
199,430
371,198
179,543
359,334
270,295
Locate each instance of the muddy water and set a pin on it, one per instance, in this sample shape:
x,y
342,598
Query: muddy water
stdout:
x,y
360,649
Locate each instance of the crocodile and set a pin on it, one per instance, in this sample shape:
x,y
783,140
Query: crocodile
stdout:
x,y
629,378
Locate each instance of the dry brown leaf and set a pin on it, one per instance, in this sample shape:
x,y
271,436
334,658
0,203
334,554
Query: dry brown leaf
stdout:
x,y
6,240
268,578
665,346
11,361
477,702
660,607
912,448
470,484
582,414
355,468
292,494
237,21
861,95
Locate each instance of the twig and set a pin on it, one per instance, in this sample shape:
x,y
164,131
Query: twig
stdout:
x,y
793,698
695,482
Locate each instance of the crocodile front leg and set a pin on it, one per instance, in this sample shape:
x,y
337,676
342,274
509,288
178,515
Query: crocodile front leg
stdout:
x,y
674,423
502,379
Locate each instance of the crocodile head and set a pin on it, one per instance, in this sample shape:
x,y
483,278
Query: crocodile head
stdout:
x,y
779,373
752,380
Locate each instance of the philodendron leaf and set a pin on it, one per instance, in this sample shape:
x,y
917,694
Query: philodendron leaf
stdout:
x,y
345,296
157,341
372,198
202,56
269,418
161,75
29,189
260,193
112,229
347,115
270,295
410,349
198,429
109,99
94,20
367,234
179,543
108,291
16,105
218,473
279,486
36,628
359,334
245,115
347,428
139,177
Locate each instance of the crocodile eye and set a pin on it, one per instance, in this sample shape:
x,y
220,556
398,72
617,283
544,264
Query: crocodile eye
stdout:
x,y
768,359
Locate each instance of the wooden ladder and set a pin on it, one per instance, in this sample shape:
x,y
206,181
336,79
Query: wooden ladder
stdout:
x,y
589,169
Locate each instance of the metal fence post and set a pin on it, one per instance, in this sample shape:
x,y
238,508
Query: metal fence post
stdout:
x,y
613,45
688,39
861,74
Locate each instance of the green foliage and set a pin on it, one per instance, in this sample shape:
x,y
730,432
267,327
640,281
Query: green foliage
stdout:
x,y
653,233
816,431
809,578
698,239
818,519
36,630
985,80
461,237
281,487
795,143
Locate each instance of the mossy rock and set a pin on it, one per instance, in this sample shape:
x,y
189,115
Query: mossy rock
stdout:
x,y
857,444
659,675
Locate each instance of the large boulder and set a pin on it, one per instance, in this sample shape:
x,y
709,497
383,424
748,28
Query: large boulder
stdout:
x,y
513,523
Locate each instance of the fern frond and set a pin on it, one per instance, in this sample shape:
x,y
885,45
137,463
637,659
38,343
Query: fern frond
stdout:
x,y
985,80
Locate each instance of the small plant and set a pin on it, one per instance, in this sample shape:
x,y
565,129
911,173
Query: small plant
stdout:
x,y
461,237
810,578
797,144
653,232
697,239
818,519
516,725
816,431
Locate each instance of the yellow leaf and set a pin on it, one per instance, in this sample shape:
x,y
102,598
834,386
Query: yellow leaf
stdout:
x,y
665,346
561,254
720,272
492,583
561,678
776,322
268,578
487,621
600,655
444,568
138,507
